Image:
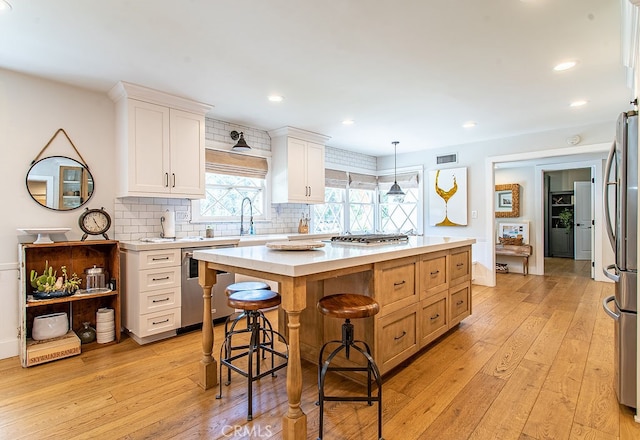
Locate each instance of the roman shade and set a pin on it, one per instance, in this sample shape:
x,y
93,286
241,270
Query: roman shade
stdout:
x,y
405,180
362,181
225,162
335,179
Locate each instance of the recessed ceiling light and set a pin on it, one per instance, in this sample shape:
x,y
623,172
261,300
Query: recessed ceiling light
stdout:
x,y
565,65
5,6
579,103
348,122
469,124
276,98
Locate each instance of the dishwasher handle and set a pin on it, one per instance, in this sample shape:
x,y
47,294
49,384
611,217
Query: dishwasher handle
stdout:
x,y
605,306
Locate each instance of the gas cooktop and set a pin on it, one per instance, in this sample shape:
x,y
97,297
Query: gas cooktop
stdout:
x,y
370,239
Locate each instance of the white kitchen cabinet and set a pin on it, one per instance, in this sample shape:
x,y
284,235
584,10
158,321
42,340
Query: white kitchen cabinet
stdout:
x,y
298,166
151,283
160,143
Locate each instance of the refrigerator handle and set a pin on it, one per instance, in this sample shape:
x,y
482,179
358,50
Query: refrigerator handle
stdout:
x,y
607,215
613,277
606,308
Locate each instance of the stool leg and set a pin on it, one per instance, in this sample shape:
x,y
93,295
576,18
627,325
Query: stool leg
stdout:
x,y
222,349
373,368
323,374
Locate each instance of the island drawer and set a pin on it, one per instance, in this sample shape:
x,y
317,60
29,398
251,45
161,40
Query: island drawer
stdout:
x,y
460,303
460,266
398,337
395,284
433,274
434,320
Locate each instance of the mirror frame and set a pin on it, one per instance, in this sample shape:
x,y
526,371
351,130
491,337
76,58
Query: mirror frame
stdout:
x,y
56,178
514,188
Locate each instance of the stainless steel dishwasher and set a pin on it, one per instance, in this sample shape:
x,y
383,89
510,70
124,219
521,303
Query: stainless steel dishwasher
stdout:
x,y
192,302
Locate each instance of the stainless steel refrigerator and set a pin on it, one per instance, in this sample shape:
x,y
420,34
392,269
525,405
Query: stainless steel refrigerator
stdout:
x,y
621,216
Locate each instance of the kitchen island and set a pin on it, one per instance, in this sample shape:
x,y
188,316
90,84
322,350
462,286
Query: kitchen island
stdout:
x,y
423,287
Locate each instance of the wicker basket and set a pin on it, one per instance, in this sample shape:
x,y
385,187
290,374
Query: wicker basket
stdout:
x,y
510,241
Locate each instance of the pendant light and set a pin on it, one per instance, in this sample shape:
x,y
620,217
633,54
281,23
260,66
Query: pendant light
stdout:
x,y
241,145
395,188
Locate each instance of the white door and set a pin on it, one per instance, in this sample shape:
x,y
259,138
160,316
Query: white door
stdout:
x,y
582,219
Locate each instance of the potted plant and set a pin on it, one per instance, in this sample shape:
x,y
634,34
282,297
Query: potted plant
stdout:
x,y
48,285
566,219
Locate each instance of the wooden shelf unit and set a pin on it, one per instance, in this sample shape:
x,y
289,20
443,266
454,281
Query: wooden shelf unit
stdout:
x,y
560,238
76,256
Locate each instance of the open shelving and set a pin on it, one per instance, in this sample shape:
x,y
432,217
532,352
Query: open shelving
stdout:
x,y
80,307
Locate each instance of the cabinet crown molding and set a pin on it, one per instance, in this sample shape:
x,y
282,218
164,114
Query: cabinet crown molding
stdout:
x,y
134,91
304,135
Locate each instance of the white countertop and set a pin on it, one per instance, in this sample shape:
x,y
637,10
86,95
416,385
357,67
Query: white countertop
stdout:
x,y
330,257
224,241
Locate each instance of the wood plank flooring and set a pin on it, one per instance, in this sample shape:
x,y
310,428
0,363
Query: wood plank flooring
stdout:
x,y
534,361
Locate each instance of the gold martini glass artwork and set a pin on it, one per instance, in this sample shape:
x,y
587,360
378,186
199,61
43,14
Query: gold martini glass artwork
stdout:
x,y
446,195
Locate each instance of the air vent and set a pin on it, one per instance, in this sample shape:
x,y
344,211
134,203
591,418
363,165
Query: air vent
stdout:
x,y
447,158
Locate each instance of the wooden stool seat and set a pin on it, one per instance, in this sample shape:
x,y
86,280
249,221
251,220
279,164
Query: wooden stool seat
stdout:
x,y
254,299
348,306
246,285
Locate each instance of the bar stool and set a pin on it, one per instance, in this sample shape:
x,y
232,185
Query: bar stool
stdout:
x,y
233,319
349,306
252,302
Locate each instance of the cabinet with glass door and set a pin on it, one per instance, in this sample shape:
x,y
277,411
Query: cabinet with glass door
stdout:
x,y
75,187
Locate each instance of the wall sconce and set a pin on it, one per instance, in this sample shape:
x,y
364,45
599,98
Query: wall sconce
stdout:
x,y
241,145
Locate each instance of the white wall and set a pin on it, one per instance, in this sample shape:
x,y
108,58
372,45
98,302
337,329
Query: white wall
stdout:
x,y
474,157
31,111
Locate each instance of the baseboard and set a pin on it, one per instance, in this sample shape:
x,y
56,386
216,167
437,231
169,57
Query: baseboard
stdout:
x,y
9,348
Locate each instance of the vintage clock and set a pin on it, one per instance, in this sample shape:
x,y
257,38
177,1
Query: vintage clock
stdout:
x,y
94,222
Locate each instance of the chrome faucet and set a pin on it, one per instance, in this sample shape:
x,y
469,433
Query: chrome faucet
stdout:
x,y
250,231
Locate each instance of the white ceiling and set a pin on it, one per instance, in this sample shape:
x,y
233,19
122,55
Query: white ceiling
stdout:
x,y
407,70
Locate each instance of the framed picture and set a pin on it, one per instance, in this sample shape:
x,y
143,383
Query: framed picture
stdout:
x,y
507,200
514,230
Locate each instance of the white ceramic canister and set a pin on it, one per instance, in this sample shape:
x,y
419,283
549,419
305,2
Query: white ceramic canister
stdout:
x,y
49,326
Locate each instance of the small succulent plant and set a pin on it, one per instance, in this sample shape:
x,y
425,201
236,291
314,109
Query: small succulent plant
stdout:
x,y
48,282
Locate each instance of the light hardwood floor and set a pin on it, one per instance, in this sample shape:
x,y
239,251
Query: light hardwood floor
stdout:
x,y
533,361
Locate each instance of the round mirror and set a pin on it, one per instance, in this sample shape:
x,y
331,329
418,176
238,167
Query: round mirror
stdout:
x,y
59,183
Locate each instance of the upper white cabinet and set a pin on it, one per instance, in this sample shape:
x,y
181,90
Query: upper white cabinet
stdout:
x,y
160,143
298,166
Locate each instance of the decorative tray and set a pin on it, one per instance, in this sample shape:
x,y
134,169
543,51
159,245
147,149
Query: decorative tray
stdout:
x,y
93,290
295,245
51,295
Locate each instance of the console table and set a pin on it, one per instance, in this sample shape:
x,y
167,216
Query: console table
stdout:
x,y
524,251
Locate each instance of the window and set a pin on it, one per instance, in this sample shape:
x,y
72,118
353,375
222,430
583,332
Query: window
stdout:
x,y
400,215
329,217
361,206
362,203
229,178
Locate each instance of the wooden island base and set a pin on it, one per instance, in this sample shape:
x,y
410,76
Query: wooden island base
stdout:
x,y
423,288
420,299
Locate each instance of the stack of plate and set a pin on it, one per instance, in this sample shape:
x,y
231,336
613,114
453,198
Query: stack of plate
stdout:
x,y
105,326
